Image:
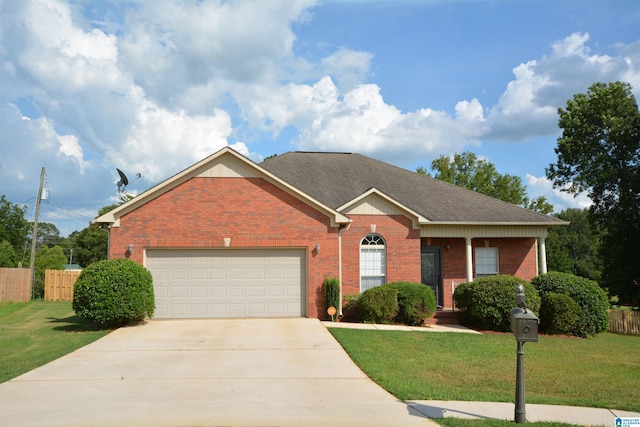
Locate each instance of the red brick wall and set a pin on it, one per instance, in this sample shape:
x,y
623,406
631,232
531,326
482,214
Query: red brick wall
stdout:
x,y
402,246
201,212
516,256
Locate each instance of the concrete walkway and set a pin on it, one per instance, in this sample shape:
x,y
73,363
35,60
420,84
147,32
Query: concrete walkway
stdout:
x,y
275,372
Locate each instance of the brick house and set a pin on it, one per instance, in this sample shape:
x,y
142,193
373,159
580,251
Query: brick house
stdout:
x,y
228,237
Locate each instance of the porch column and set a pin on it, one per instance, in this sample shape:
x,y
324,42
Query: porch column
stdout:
x,y
542,249
469,259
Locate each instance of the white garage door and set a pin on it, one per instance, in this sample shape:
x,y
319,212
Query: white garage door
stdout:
x,y
228,282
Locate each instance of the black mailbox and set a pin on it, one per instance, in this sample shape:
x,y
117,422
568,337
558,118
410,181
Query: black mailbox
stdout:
x,y
524,325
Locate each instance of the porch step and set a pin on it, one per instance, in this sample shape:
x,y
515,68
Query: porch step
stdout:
x,y
443,317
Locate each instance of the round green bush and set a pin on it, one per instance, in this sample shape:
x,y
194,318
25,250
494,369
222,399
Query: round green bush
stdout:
x,y
592,299
416,302
379,304
558,314
114,292
486,303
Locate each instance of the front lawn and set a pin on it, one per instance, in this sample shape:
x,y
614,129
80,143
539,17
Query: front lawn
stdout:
x,y
603,371
35,333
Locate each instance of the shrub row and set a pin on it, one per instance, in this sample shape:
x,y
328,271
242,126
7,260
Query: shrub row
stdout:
x,y
566,304
397,302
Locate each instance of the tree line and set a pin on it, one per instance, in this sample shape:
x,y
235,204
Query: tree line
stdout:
x,y
52,251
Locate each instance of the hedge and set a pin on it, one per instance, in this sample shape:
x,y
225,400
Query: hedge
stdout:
x,y
416,302
379,304
486,303
592,299
558,314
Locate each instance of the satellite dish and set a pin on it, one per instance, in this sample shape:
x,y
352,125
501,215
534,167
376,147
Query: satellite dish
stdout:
x,y
124,181
122,185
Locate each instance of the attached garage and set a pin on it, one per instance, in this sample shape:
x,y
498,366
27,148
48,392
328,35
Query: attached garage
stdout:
x,y
203,283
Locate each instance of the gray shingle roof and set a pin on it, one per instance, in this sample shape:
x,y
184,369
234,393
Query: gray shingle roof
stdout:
x,y
334,179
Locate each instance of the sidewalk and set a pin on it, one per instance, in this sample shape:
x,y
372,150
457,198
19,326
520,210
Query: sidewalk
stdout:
x,y
497,410
506,411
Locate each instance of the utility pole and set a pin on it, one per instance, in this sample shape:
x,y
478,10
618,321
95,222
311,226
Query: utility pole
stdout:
x,y
34,235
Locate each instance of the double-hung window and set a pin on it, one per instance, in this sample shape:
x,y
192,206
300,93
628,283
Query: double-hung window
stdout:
x,y
486,262
373,262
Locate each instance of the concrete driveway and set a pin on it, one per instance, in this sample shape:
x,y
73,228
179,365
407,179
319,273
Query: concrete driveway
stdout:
x,y
245,372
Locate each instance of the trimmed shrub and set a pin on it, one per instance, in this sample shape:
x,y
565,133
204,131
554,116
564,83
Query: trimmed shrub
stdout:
x,y
486,303
379,304
558,314
331,288
114,292
592,299
415,302
350,310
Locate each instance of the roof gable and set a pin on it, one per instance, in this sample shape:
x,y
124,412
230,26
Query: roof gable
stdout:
x,y
225,163
374,202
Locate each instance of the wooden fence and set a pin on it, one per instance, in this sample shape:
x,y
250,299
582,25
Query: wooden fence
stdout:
x,y
58,284
15,284
624,322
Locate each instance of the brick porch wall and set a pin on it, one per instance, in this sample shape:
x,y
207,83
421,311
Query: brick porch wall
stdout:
x,y
202,212
516,256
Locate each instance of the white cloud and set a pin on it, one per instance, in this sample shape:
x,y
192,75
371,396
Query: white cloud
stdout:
x,y
542,186
161,140
529,105
69,147
181,45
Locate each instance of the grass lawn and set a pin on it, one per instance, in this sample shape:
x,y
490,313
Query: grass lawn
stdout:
x,y
602,371
35,333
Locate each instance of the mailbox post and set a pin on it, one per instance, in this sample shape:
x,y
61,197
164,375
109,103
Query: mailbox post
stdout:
x,y
524,325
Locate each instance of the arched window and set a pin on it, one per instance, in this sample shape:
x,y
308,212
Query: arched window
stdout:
x,y
373,262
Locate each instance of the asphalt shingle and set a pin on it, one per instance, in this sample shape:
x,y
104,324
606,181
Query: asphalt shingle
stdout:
x,y
334,179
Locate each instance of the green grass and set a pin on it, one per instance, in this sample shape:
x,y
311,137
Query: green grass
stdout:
x,y
602,371
35,333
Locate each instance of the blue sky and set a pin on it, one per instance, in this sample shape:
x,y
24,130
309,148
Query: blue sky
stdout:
x,y
152,87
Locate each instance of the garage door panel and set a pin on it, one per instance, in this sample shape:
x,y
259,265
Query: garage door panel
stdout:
x,y
237,273
178,274
228,283
198,291
217,291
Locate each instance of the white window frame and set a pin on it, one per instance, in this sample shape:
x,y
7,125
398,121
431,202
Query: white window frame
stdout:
x,y
484,268
373,261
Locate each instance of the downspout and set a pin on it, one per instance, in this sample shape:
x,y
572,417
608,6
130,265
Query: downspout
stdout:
x,y
340,230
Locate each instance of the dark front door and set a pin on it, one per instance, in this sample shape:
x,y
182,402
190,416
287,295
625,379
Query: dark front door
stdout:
x,y
432,271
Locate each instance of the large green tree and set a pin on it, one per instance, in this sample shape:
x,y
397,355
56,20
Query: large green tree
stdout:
x,y
466,170
14,228
92,242
575,248
599,153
